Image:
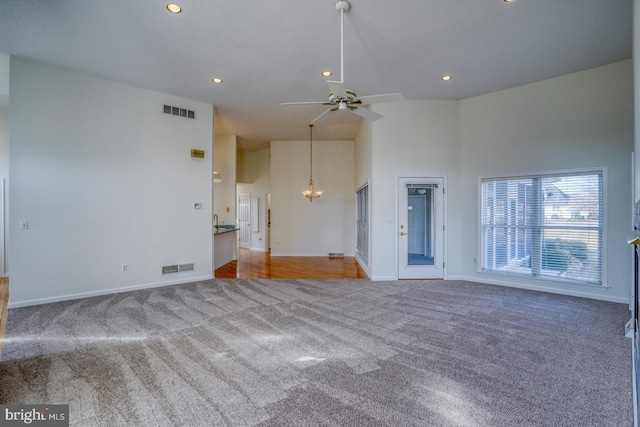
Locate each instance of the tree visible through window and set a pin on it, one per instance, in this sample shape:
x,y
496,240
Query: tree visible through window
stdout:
x,y
547,226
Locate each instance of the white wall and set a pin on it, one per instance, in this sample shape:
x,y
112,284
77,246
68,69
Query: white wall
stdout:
x,y
224,193
300,227
256,177
414,139
636,75
363,155
581,120
104,178
4,174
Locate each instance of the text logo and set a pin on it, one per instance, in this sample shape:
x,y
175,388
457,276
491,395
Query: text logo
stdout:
x,y
34,415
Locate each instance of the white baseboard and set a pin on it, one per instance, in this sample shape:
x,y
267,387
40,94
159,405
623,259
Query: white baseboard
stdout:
x,y
258,249
383,278
363,266
69,297
324,254
574,293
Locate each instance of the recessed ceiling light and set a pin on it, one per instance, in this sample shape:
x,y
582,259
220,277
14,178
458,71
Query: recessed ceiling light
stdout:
x,y
216,80
446,78
508,1
327,73
174,8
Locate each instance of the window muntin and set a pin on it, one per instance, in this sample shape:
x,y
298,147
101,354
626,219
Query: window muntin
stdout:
x,y
545,226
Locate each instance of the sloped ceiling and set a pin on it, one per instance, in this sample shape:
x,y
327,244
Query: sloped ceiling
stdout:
x,y
273,52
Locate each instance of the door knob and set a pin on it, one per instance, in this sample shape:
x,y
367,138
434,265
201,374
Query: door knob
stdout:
x,y
402,233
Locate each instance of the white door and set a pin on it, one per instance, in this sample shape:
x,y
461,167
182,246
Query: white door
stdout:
x,y
421,228
244,218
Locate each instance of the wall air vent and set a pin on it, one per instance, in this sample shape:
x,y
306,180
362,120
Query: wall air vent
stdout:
x,y
177,111
177,268
169,269
185,267
336,254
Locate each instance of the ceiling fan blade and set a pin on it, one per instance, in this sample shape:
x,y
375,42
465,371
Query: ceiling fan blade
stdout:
x,y
337,88
323,116
304,103
363,112
376,99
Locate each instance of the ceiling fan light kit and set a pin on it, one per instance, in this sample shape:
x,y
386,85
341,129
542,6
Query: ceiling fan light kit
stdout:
x,y
342,99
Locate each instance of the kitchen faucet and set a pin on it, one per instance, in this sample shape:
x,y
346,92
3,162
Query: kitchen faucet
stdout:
x,y
215,219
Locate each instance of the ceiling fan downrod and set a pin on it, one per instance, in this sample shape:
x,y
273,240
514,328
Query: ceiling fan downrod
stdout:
x,y
342,6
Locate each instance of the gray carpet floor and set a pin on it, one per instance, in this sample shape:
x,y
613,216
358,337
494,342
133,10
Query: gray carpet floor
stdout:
x,y
324,353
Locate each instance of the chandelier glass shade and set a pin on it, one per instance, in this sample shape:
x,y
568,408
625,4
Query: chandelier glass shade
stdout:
x,y
310,193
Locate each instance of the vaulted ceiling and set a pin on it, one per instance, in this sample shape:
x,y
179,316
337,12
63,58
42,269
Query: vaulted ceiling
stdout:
x,y
268,52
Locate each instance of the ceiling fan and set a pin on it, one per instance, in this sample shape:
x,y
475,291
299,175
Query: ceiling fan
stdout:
x,y
342,99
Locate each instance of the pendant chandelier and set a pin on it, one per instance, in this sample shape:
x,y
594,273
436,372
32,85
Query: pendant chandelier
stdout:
x,y
310,193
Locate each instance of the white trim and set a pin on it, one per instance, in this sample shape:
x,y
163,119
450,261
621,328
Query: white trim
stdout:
x,y
385,279
258,249
543,174
534,287
367,184
362,265
324,254
68,297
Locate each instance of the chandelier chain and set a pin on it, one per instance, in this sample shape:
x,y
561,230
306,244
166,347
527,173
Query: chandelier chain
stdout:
x,y
310,152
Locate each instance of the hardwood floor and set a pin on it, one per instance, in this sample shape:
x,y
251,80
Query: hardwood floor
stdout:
x,y
261,265
4,302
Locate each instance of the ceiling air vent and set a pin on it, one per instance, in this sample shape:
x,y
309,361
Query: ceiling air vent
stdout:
x,y
177,111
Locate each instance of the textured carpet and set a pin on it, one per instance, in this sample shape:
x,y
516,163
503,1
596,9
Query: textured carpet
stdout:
x,y
330,353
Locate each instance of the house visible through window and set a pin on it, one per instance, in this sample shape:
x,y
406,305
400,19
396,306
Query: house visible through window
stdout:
x,y
362,223
546,226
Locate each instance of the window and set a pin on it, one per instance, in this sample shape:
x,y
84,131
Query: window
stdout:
x,y
546,226
362,223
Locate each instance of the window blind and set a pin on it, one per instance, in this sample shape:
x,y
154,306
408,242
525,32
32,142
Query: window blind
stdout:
x,y
546,226
362,223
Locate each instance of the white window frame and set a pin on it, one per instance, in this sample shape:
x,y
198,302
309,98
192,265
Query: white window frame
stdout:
x,y
365,258
542,278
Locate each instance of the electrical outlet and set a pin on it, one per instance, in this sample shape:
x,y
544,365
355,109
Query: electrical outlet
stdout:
x,y
124,267
24,225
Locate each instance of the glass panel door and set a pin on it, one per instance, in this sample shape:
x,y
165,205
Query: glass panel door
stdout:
x,y
421,228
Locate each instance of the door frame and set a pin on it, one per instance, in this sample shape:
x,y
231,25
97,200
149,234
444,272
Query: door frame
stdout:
x,y
244,226
398,218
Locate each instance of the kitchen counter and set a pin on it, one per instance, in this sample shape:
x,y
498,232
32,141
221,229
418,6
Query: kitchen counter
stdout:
x,y
224,245
222,230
